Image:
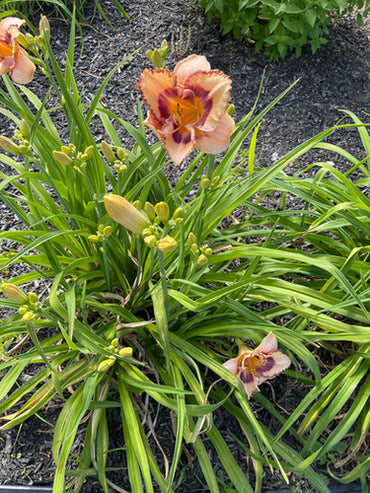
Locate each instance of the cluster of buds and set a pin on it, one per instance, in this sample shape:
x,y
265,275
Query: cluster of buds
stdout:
x,y
124,352
158,55
202,253
116,156
146,224
35,43
69,156
102,234
206,183
21,135
29,302
10,253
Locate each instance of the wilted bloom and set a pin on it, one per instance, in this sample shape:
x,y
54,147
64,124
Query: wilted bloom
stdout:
x,y
255,366
188,107
122,211
12,57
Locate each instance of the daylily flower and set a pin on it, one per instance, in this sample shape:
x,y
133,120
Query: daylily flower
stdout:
x,y
187,107
12,57
255,366
123,212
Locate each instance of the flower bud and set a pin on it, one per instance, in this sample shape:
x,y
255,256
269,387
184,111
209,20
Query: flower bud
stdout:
x,y
44,27
163,211
24,128
28,316
107,150
62,158
150,240
215,181
107,231
230,110
12,292
106,364
202,260
192,239
137,204
179,213
9,146
124,213
114,342
208,251
126,352
33,298
205,182
122,154
150,211
23,309
93,238
89,152
167,244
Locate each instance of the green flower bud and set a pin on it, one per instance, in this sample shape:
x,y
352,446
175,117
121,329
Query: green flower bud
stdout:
x,y
24,128
126,352
163,211
66,150
33,298
12,292
150,210
44,27
23,309
208,251
167,244
28,316
107,231
9,146
93,238
179,213
107,150
230,110
137,204
62,158
106,364
89,152
194,248
215,181
205,182
150,240
202,260
122,154
192,239
114,342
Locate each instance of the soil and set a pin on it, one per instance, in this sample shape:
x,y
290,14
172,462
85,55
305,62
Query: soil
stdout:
x,y
335,78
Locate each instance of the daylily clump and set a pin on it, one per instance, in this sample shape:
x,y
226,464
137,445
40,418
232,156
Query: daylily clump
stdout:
x,y
255,366
12,56
188,107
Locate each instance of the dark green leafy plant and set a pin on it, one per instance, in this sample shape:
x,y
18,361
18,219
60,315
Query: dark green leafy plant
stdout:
x,y
277,27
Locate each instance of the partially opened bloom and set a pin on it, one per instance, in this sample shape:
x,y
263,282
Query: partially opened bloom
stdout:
x,y
12,57
188,107
255,366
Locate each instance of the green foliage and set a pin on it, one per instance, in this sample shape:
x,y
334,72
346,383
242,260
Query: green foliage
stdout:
x,y
121,322
277,27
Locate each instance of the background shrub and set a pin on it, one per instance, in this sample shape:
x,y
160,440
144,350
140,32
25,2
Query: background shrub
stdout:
x,y
277,27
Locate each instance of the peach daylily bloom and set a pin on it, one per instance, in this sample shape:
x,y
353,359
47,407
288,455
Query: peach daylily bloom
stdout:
x,y
255,366
12,57
187,107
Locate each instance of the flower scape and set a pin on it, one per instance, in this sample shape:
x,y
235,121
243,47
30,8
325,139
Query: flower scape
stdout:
x,y
148,284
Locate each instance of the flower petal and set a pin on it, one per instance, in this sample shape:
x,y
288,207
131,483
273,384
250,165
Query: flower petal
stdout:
x,y
213,89
216,140
190,65
232,365
275,363
269,343
9,23
178,142
157,88
249,382
24,68
7,64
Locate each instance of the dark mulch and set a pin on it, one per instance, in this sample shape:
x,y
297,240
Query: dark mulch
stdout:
x,y
337,77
